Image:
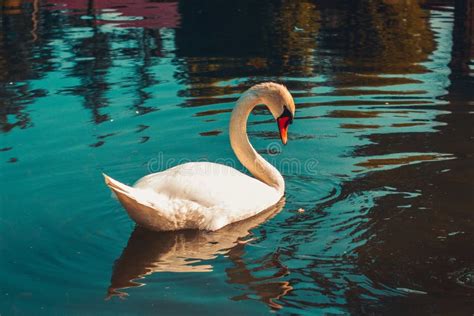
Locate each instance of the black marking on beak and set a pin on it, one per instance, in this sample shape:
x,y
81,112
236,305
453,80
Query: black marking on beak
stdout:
x,y
286,113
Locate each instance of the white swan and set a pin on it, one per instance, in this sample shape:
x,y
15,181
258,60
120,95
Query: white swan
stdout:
x,y
209,196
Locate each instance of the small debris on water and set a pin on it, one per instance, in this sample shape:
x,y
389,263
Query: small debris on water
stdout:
x,y
106,135
300,210
144,139
98,144
141,128
411,291
466,279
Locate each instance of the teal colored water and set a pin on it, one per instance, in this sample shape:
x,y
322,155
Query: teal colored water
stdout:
x,y
379,166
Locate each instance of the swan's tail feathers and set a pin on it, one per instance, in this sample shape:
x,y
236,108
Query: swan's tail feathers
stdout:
x,y
116,186
141,205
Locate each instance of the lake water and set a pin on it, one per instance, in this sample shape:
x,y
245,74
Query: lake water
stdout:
x,y
380,185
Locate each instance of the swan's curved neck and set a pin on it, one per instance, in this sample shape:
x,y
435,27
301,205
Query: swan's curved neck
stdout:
x,y
247,155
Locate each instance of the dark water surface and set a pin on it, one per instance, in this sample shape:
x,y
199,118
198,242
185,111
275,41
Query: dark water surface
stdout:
x,y
380,155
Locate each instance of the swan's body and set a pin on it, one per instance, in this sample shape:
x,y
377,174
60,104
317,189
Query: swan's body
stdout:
x,y
201,195
209,196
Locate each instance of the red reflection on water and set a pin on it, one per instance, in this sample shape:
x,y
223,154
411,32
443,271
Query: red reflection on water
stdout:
x,y
138,13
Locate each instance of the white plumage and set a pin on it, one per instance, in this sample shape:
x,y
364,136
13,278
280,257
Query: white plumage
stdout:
x,y
206,195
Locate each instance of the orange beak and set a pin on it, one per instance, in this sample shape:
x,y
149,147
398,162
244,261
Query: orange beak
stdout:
x,y
283,122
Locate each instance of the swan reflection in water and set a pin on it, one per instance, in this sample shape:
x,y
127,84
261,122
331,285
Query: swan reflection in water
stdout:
x,y
149,252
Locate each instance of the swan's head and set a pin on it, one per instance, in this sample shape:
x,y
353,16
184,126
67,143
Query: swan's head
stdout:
x,y
280,103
